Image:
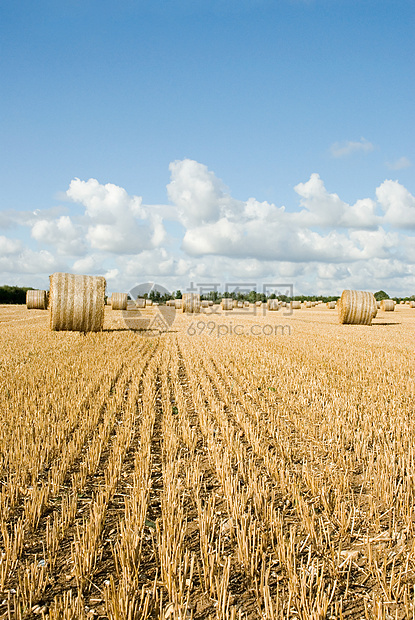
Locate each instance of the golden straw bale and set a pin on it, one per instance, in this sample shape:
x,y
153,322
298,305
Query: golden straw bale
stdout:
x,y
140,302
246,304
357,307
36,300
119,301
258,304
191,302
227,303
387,305
178,304
149,302
205,304
295,305
412,304
273,304
331,305
307,304
76,302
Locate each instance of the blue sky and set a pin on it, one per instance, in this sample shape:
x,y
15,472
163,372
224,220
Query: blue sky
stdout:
x,y
251,99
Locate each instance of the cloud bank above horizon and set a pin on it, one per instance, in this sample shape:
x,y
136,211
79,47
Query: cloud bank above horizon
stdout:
x,y
205,235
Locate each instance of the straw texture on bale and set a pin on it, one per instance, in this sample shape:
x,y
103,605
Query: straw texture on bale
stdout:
x,y
331,305
387,305
378,305
191,302
36,300
76,302
119,301
235,303
295,305
140,302
357,307
273,304
178,304
227,303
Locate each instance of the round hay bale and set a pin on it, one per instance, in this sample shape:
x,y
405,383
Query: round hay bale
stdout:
x,y
273,304
331,305
191,302
308,304
149,302
246,304
401,303
178,304
295,305
210,302
140,302
240,304
205,304
258,304
227,303
387,305
235,303
36,300
76,302
170,302
119,301
357,307
412,304
378,305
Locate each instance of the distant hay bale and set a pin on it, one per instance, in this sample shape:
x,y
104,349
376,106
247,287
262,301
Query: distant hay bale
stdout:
x,y
235,303
227,303
210,302
178,304
240,304
149,302
119,301
412,304
378,305
308,304
204,304
170,302
401,302
140,302
331,305
76,302
387,305
246,304
258,304
36,300
273,304
295,305
191,302
357,307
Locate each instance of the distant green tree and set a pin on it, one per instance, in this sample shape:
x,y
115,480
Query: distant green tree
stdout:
x,y
178,294
13,294
381,295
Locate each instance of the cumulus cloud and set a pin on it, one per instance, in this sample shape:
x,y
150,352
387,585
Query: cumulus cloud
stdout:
x,y
399,164
343,149
9,246
62,233
116,222
397,203
199,195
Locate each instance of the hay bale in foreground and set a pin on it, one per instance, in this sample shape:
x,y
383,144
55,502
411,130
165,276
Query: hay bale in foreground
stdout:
x,y
357,307
331,305
227,303
36,300
191,302
387,305
76,302
119,301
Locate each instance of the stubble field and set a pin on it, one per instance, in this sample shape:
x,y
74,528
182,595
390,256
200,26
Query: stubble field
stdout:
x,y
202,473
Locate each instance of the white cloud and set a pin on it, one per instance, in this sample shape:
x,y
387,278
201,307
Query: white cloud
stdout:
x,y
343,149
399,164
62,233
9,246
397,203
116,222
